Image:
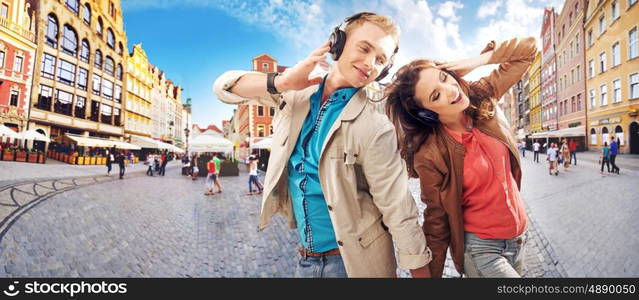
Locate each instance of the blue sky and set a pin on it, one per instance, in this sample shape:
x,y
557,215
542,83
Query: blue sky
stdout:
x,y
194,41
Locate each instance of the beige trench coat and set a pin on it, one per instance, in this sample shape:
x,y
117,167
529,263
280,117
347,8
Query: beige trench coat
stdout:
x,y
363,178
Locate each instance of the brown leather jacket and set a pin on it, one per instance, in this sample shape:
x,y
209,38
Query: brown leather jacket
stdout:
x,y
440,160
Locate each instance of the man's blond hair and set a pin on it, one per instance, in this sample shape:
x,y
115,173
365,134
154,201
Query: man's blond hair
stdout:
x,y
383,22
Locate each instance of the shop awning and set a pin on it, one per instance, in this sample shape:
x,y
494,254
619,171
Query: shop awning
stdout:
x,y
100,142
146,142
263,144
568,132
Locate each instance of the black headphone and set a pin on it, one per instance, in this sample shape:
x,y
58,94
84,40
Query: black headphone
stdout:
x,y
338,40
426,117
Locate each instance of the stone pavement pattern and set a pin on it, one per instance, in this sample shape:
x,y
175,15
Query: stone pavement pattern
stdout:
x,y
165,227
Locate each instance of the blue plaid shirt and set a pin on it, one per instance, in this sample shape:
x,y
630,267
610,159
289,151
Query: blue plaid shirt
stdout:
x,y
309,206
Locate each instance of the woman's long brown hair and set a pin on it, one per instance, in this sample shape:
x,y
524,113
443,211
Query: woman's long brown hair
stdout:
x,y
401,107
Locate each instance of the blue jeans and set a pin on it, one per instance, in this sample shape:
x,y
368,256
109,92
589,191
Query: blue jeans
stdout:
x,y
330,266
493,257
253,180
573,155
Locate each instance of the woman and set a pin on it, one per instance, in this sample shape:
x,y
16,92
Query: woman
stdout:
x,y
253,177
604,159
465,157
551,157
565,154
109,162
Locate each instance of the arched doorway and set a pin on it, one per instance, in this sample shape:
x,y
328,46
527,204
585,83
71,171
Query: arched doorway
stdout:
x,y
40,145
634,138
605,136
593,137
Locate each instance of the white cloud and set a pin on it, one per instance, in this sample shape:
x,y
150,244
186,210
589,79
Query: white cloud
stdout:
x,y
448,10
489,8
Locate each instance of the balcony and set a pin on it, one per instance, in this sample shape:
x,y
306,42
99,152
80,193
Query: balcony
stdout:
x,y
17,29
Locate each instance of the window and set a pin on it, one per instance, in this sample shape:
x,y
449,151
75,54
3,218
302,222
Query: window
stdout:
x,y
120,48
116,116
593,136
593,101
95,110
579,102
44,99
107,89
572,76
66,72
73,5
63,103
106,112
52,31
589,37
109,65
69,41
260,110
634,86
110,38
270,129
1,59
578,72
605,137
118,72
573,104
117,94
602,62
633,48
591,69
260,130
577,44
264,66
111,9
271,111
619,135
85,51
604,94
48,66
86,15
83,78
14,98
616,55
571,50
99,26
17,64
602,24
5,11
98,59
615,10
97,83
616,91
79,107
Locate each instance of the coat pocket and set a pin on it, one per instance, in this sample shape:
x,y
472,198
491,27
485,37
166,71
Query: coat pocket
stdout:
x,y
372,233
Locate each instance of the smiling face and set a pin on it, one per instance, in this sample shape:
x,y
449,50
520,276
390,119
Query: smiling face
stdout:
x,y
440,92
366,52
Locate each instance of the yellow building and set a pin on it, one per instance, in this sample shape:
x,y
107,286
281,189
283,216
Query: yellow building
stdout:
x,y
534,77
138,101
78,81
612,60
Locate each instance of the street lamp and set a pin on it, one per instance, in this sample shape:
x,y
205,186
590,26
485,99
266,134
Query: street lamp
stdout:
x,y
186,134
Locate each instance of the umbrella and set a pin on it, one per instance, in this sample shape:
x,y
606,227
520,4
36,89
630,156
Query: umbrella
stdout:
x,y
32,135
7,132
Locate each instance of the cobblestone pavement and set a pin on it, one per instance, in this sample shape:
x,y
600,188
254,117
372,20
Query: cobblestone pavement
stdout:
x,y
166,227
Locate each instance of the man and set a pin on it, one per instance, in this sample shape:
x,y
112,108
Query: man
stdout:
x,y
335,170
213,168
536,151
572,146
120,159
522,146
164,161
614,149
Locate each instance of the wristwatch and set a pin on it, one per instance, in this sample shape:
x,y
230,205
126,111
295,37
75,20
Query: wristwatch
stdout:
x,y
270,82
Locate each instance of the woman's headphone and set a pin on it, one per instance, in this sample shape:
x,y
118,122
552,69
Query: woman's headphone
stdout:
x,y
338,40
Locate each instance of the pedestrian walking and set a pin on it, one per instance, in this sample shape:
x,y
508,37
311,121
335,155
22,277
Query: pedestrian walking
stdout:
x,y
614,148
163,160
536,151
522,147
604,158
195,170
120,158
151,162
253,177
551,157
212,176
109,162
572,146
565,154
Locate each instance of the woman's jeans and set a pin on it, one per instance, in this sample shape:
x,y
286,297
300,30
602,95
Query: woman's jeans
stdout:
x,y
253,180
329,266
493,257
